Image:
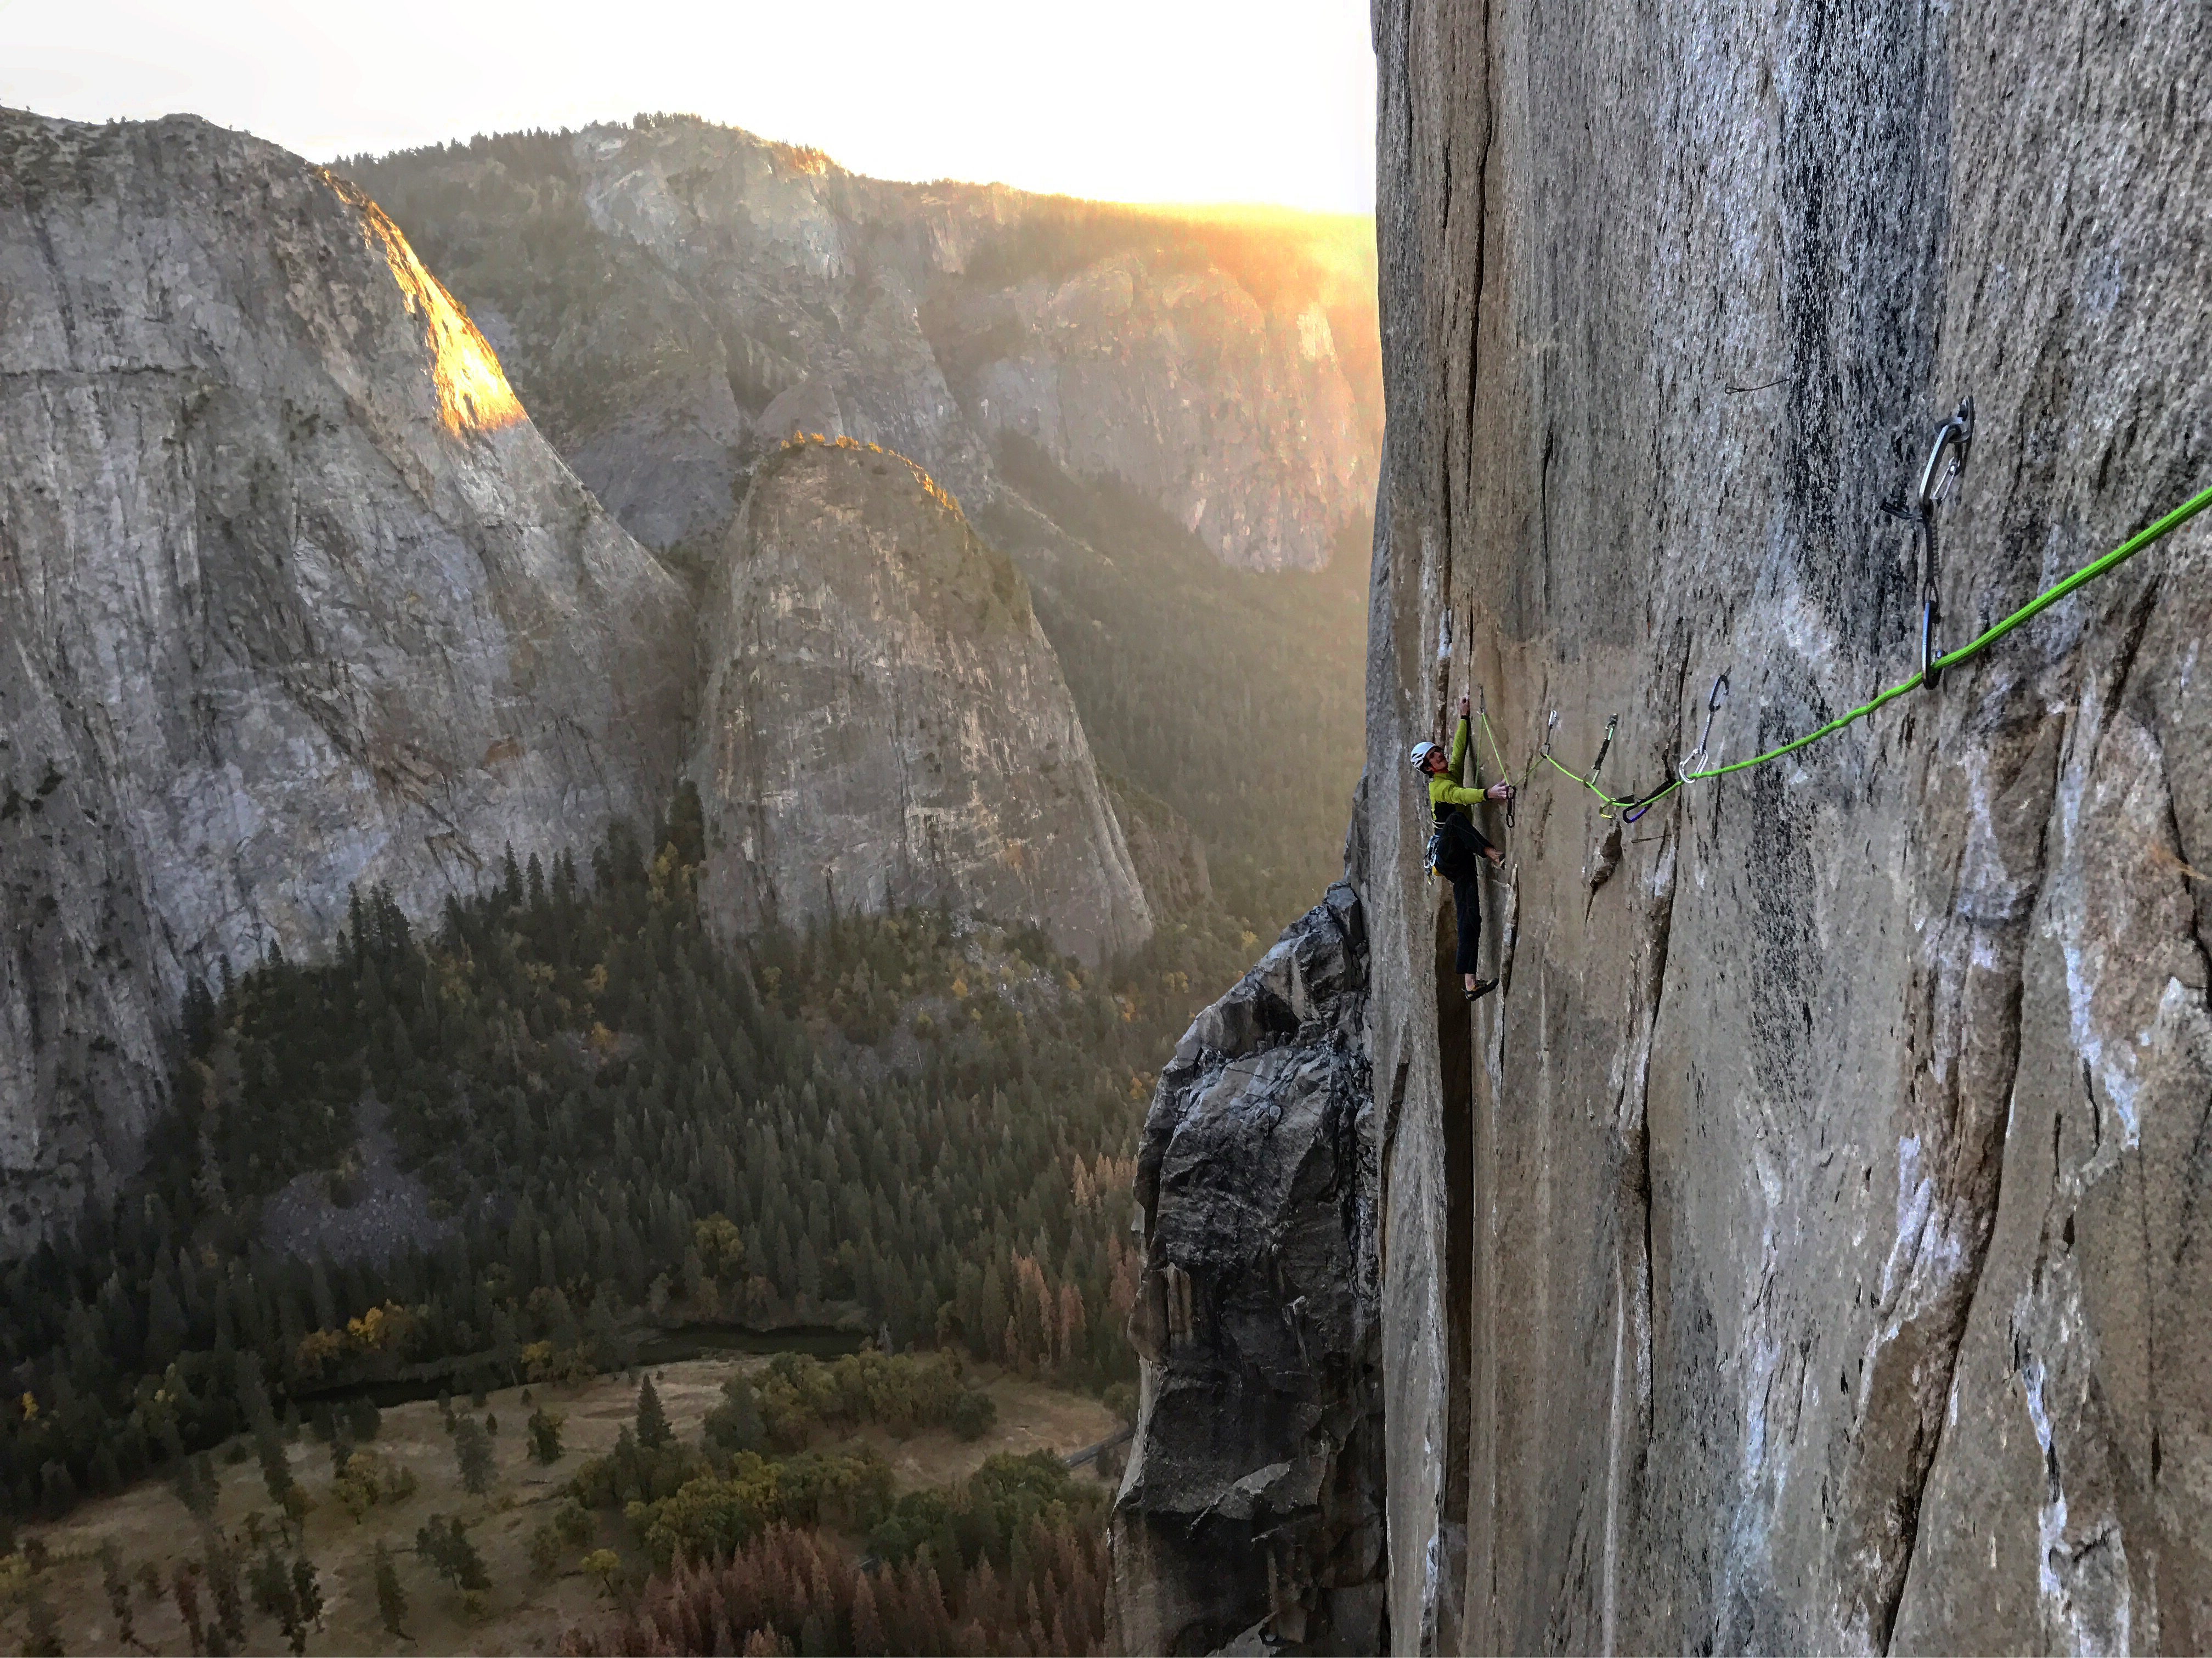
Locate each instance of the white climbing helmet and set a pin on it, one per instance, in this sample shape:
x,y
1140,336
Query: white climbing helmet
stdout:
x,y
1421,752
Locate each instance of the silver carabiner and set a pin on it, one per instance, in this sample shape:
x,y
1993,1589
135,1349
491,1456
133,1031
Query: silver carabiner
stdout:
x,y
1712,710
1946,459
1953,440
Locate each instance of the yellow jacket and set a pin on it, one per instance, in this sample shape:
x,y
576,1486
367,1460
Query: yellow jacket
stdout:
x,y
1443,791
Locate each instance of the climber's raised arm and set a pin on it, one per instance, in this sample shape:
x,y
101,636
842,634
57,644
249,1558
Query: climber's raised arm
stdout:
x,y
1444,794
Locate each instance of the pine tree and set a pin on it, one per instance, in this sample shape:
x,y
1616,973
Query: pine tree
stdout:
x,y
223,1585
390,1600
652,1428
118,1587
276,1466
307,1600
868,1625
274,1597
445,1543
363,1418
58,1489
472,1454
342,1445
194,1482
185,1589
545,1436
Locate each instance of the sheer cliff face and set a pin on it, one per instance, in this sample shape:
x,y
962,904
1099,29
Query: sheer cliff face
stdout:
x,y
675,299
884,723
1807,1248
292,596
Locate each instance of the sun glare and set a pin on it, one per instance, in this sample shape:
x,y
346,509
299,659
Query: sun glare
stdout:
x,y
1146,100
473,395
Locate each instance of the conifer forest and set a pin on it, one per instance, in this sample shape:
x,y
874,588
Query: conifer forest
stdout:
x,y
613,1134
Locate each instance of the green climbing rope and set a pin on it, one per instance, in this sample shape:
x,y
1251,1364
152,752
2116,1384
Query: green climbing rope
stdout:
x,y
1497,753
2042,602
1504,771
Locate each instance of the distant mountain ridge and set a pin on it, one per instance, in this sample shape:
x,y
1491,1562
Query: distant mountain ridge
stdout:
x,y
673,297
1147,409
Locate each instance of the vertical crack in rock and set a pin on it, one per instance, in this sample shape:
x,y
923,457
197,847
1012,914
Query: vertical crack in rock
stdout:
x,y
2127,953
1950,1163
1629,1414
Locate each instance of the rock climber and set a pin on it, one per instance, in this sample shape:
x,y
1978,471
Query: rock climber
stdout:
x,y
1457,846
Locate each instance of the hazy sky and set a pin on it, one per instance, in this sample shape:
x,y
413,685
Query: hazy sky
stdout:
x,y
1129,100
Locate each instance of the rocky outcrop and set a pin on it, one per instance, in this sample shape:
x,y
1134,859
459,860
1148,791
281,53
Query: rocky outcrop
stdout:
x,y
675,298
884,723
1247,1513
292,596
1814,1217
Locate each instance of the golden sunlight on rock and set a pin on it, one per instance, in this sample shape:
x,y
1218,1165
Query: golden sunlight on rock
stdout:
x,y
473,395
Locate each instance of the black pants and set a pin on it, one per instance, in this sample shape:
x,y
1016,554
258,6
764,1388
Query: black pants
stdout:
x,y
1466,910
1471,845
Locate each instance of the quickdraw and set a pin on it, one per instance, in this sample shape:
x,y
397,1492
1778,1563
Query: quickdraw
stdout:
x,y
1946,459
1688,763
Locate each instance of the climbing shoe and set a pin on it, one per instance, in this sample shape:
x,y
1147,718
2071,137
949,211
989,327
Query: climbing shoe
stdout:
x,y
1481,989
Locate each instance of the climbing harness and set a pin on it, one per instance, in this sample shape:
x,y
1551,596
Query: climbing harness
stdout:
x,y
1947,457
